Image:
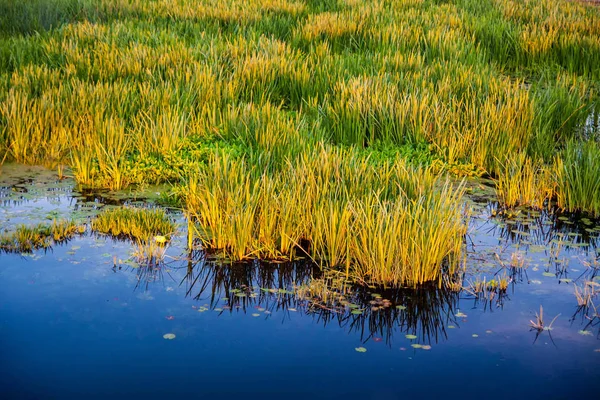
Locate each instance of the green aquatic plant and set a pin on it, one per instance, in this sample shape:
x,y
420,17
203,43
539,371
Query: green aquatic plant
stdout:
x,y
393,224
26,238
523,182
577,171
142,224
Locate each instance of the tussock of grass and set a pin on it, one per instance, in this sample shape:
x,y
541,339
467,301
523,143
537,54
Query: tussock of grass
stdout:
x,y
28,238
142,224
523,182
394,224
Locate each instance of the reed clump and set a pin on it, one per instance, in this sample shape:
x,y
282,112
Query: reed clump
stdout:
x,y
523,182
394,224
142,224
26,238
577,171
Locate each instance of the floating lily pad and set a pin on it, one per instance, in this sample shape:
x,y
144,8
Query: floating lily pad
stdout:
x,y
451,326
475,335
169,336
401,308
416,345
411,337
240,294
549,274
565,280
426,347
256,315
357,312
535,282
360,349
585,332
292,309
461,315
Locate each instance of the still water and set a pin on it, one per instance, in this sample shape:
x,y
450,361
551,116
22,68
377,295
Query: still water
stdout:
x,y
83,321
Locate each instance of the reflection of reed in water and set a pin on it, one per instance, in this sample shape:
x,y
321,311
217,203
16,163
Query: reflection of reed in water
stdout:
x,y
424,312
241,283
267,287
547,228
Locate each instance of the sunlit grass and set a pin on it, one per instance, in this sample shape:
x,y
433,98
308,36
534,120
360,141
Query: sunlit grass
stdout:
x,y
142,224
26,238
392,225
269,115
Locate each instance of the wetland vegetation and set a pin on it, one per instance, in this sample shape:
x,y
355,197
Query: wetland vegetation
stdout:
x,y
418,175
325,127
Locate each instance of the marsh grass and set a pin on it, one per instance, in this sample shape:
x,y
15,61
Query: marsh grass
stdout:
x,y
141,224
523,182
391,225
26,238
138,92
577,171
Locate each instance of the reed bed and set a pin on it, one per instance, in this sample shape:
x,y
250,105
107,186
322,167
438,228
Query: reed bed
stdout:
x,y
391,224
137,92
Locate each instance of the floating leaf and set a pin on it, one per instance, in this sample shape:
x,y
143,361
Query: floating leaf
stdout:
x,y
565,280
585,333
416,345
256,315
357,312
169,336
240,294
401,308
535,282
292,309
426,347
218,309
411,337
451,327
460,315
488,331
475,335
549,274
360,349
